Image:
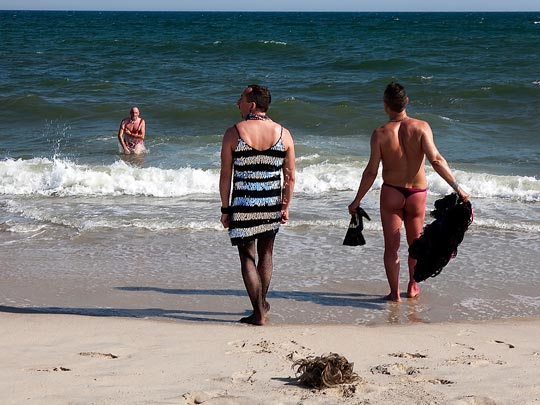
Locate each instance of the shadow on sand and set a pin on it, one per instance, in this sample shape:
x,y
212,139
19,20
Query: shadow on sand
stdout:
x,y
354,300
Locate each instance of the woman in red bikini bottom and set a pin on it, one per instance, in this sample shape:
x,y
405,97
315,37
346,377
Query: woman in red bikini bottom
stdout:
x,y
402,145
401,205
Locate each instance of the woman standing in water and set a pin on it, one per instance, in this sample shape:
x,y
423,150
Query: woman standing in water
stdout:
x,y
257,158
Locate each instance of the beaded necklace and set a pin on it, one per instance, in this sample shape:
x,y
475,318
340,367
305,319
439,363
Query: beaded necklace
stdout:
x,y
259,117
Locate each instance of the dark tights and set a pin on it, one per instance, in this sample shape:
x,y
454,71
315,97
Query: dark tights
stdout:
x,y
257,275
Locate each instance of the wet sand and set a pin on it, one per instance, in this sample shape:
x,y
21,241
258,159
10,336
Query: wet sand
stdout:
x,y
195,276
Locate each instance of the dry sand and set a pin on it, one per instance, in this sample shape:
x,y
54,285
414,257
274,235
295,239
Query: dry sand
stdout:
x,y
70,359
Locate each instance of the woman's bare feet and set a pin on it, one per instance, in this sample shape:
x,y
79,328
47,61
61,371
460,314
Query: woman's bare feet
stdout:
x,y
253,320
392,297
413,290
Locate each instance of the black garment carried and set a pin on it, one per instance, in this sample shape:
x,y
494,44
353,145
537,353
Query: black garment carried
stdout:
x,y
440,239
354,236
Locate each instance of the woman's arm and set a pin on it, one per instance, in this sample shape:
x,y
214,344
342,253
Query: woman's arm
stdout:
x,y
289,172
225,177
370,173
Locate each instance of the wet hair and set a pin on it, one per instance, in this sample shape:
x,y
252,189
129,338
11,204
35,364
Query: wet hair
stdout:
x,y
259,95
395,97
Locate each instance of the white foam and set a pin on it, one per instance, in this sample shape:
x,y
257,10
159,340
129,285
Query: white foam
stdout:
x,y
527,300
326,177
65,178
62,177
274,42
507,203
516,188
506,226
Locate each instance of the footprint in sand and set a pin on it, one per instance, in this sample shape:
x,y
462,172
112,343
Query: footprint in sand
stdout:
x,y
222,398
408,355
240,346
395,369
53,369
463,345
475,400
434,381
265,346
100,355
243,346
288,349
476,360
510,346
192,398
244,377
440,381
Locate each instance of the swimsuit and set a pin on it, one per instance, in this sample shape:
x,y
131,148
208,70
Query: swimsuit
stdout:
x,y
256,196
406,191
132,142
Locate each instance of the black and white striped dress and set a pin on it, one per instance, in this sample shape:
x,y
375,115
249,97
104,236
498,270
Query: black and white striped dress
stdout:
x,y
256,195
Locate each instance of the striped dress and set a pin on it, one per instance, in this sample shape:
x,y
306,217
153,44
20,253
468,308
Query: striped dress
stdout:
x,y
256,195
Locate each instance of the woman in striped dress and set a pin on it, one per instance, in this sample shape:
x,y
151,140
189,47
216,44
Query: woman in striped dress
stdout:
x,y
257,159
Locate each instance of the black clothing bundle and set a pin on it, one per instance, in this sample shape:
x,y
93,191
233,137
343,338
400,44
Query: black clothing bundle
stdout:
x,y
440,239
354,236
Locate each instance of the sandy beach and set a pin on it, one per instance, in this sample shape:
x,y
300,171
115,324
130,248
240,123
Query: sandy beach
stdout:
x,y
72,359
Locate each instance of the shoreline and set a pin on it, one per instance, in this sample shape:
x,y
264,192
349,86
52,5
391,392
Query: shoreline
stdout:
x,y
79,359
315,280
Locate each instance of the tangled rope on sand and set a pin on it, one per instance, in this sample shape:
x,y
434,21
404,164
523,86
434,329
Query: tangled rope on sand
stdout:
x,y
325,371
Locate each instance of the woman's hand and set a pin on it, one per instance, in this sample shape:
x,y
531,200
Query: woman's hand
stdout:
x,y
225,220
284,216
352,207
462,194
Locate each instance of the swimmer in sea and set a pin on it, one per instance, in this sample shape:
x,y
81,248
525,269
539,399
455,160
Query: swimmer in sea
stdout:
x,y
131,133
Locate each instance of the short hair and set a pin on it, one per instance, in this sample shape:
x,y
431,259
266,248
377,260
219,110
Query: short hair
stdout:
x,y
396,97
259,95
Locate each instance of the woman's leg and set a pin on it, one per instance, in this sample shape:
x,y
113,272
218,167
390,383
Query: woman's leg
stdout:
x,y
415,211
253,283
265,250
392,202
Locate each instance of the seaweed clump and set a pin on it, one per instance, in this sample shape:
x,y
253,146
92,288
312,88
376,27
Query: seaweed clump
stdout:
x,y
325,371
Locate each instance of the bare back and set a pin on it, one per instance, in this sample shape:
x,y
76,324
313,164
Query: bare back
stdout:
x,y
259,135
402,152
